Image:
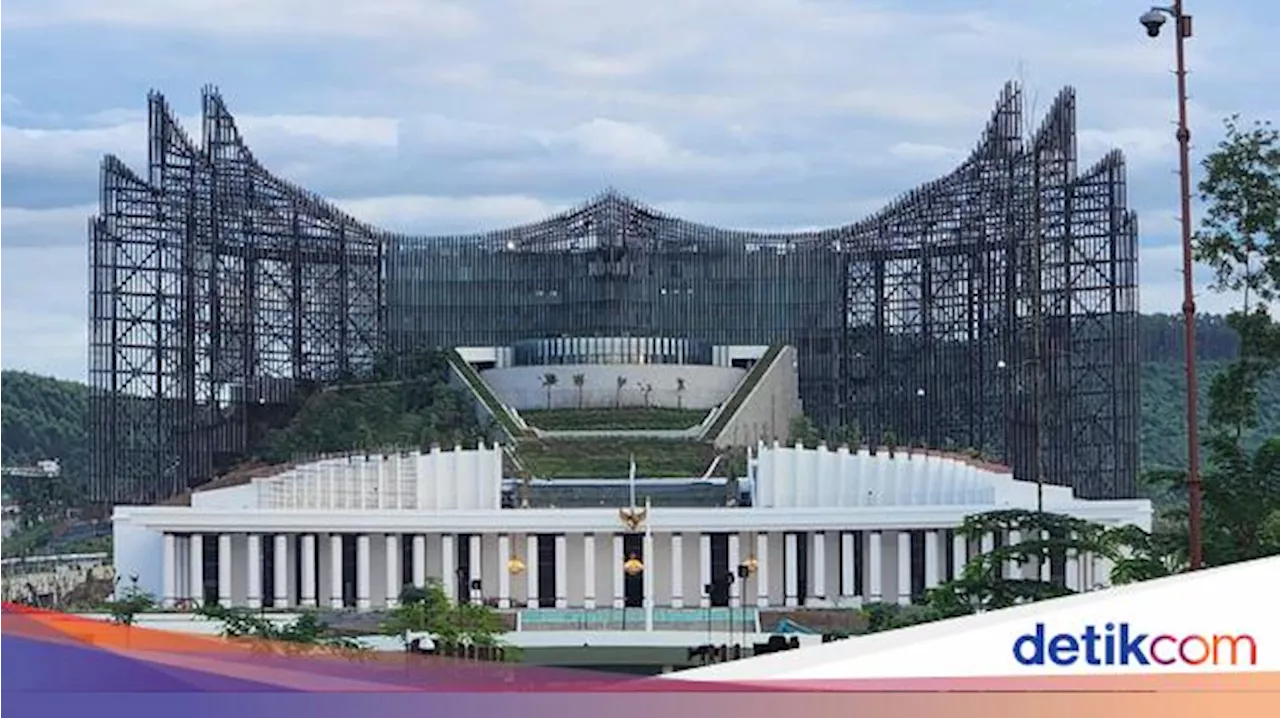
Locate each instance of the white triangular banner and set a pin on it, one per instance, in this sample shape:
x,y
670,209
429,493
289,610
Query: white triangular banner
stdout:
x,y
1217,620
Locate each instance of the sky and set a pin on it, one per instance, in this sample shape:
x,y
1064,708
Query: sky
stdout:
x,y
429,117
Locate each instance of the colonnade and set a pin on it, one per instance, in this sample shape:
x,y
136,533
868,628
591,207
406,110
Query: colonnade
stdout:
x,y
368,571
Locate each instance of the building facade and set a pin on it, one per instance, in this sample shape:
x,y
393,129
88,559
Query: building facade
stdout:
x,y
823,528
993,308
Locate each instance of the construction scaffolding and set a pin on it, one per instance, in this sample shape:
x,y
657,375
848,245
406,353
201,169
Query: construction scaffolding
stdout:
x,y
992,309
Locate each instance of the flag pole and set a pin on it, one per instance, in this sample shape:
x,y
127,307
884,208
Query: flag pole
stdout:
x,y
648,566
633,481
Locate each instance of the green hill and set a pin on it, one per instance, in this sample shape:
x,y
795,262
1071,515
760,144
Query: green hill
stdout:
x,y
44,418
1163,437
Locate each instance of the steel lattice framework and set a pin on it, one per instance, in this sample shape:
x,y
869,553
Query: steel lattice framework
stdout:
x,y
994,308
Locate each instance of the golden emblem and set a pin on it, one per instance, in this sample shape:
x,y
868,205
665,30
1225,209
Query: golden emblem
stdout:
x,y
633,518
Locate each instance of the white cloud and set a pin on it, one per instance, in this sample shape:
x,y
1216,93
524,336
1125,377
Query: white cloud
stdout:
x,y
36,228
1160,284
429,115
925,152
370,19
331,129
419,214
43,308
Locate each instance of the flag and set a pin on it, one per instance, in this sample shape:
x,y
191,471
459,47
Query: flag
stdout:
x,y
633,481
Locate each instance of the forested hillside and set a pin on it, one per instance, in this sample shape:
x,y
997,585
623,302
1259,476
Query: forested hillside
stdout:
x,y
45,418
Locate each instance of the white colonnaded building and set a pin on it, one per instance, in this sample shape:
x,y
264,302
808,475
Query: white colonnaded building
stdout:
x,y
811,528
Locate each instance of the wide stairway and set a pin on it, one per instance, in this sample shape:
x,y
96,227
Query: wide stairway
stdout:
x,y
717,619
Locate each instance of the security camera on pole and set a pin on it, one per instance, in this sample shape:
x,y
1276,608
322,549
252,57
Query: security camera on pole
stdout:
x,y
1153,20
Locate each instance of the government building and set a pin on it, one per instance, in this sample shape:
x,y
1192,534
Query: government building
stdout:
x,y
990,310
815,528
809,416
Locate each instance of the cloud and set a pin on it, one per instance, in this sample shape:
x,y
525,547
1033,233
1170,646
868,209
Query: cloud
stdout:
x,y
43,304
442,215
429,116
60,226
1160,284
369,19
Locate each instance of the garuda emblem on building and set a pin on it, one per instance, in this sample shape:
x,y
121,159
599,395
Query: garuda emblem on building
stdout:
x,y
633,518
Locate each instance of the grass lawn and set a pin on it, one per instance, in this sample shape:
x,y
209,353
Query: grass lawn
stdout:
x,y
613,419
610,458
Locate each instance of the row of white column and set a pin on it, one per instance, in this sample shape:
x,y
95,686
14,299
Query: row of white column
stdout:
x,y
184,568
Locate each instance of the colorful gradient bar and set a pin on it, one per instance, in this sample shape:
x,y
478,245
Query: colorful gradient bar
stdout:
x,y
58,664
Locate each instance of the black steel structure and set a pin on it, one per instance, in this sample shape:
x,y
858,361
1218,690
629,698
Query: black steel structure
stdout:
x,y
994,308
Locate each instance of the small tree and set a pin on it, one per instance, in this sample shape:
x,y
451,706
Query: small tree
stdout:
x,y
617,394
982,584
549,380
429,610
680,392
802,431
579,380
306,633
646,390
129,602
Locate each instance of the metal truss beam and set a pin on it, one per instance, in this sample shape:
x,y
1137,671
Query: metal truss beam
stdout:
x,y
993,308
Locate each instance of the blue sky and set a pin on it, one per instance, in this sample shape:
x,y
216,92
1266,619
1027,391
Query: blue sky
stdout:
x,y
429,116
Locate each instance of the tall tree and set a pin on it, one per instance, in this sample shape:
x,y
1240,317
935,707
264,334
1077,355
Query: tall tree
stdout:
x,y
1240,239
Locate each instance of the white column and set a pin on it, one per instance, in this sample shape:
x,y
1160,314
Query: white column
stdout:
x,y
562,571
959,554
619,582
931,572
848,565
335,572
448,577
531,575
1044,563
790,570
196,560
904,568
736,588
281,561
308,597
875,566
224,570
504,575
253,571
420,561
1013,569
362,573
394,572
677,571
704,569
762,570
170,570
589,571
473,568
818,567
988,542
1073,570
650,565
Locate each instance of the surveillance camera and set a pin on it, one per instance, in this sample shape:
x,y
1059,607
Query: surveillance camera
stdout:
x,y
1153,20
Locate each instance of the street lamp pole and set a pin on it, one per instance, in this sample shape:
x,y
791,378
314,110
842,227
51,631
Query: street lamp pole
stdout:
x,y
1153,20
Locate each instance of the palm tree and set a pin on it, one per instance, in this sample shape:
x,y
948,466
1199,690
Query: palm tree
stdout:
x,y
578,381
647,389
549,380
617,395
680,392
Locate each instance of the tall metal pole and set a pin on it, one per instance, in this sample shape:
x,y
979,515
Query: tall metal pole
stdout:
x,y
1183,31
